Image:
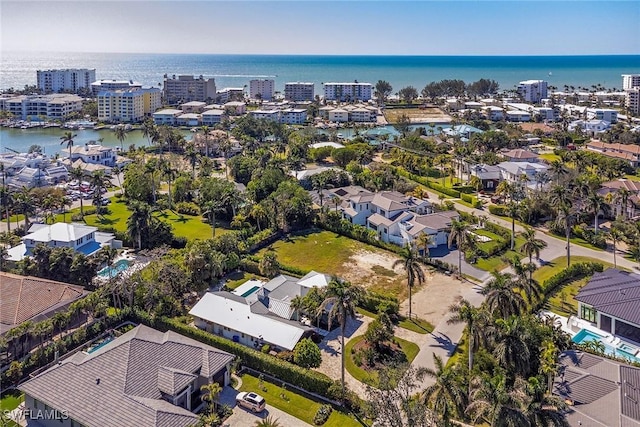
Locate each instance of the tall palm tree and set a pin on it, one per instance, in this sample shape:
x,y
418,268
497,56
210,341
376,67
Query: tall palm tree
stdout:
x,y
99,182
445,397
77,174
525,280
558,170
513,210
67,139
532,245
340,299
25,201
410,263
511,349
562,201
210,393
210,208
615,235
148,127
622,198
497,404
192,156
459,229
597,204
7,200
138,222
121,135
474,319
501,296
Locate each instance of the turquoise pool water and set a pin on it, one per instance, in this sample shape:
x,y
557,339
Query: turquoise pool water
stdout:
x,y
250,291
115,269
584,335
99,346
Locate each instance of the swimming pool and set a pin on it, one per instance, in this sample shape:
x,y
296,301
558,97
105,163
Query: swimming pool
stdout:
x,y
585,335
250,291
100,345
115,269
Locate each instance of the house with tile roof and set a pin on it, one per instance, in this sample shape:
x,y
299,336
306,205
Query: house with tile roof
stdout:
x,y
600,392
629,152
521,155
142,378
258,313
610,302
80,237
629,209
27,298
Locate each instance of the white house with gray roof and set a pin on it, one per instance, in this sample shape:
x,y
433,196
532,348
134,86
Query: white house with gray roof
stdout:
x,y
258,313
142,378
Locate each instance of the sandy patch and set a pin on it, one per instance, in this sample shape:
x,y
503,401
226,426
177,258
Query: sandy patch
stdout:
x,y
374,270
432,302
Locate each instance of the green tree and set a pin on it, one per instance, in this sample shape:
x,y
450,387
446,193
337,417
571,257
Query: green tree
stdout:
x,y
14,373
410,263
268,422
497,404
307,354
459,229
408,94
444,397
210,393
511,349
382,91
121,135
501,297
379,332
269,265
67,138
138,223
475,322
341,299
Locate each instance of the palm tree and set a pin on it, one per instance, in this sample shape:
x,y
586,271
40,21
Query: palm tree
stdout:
x,y
532,245
121,135
340,299
473,318
7,200
445,397
597,204
615,234
138,222
525,280
169,174
24,199
622,197
511,349
501,297
268,422
67,139
410,263
423,241
562,202
548,362
457,234
558,170
148,127
99,183
78,174
513,210
192,156
496,403
210,393
210,208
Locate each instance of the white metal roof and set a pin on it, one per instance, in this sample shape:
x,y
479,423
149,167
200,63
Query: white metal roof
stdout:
x,y
60,232
221,309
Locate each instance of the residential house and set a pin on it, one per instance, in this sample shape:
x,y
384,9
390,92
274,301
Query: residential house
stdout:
x,y
27,298
521,155
37,177
590,127
235,108
612,188
526,173
95,154
338,115
167,116
490,176
81,238
258,313
144,378
606,114
518,116
188,119
493,113
463,131
629,152
600,392
406,227
212,117
610,301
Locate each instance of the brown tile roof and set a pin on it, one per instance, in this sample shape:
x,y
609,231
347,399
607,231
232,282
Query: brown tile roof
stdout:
x,y
122,383
519,153
632,186
26,297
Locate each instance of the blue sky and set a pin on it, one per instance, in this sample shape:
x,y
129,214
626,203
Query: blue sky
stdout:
x,y
324,27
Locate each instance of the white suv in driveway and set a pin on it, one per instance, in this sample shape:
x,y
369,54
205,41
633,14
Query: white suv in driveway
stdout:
x,y
252,401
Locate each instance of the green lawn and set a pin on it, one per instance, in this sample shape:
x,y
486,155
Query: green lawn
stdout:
x,y
497,262
570,305
191,227
11,399
417,325
330,253
460,354
237,278
559,264
294,404
410,349
550,157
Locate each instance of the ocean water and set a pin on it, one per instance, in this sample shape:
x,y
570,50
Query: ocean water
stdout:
x,y
19,69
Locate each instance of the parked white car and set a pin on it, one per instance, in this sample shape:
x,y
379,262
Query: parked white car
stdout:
x,y
252,401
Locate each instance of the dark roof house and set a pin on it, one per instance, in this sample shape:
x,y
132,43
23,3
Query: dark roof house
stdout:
x,y
142,378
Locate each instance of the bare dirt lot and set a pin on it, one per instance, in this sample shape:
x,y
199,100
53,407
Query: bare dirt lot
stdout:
x,y
417,115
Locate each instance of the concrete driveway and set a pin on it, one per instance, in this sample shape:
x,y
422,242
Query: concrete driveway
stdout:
x,y
242,417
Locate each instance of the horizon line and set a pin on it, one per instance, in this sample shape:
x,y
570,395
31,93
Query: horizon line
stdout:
x,y
324,54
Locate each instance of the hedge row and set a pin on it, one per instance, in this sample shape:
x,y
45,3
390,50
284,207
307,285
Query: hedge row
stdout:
x,y
310,380
573,272
500,210
471,200
465,189
375,303
496,229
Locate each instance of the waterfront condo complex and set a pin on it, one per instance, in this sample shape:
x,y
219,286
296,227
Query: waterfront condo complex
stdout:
x,y
261,89
188,88
68,80
533,90
347,91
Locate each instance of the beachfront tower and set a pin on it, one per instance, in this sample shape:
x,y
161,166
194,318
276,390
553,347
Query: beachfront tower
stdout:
x,y
261,89
188,88
68,80
533,90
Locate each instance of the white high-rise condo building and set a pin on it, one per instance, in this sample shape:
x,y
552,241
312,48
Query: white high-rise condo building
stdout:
x,y
261,89
188,88
298,91
131,105
69,80
347,91
102,85
53,106
629,81
632,100
533,90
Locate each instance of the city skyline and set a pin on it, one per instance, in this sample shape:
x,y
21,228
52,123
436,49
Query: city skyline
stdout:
x,y
324,28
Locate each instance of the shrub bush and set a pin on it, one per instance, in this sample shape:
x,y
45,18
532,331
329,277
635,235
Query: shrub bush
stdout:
x,y
499,210
250,266
378,303
464,189
322,415
573,272
188,208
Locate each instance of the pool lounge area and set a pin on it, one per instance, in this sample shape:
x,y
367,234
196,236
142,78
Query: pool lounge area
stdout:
x,y
613,346
116,268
